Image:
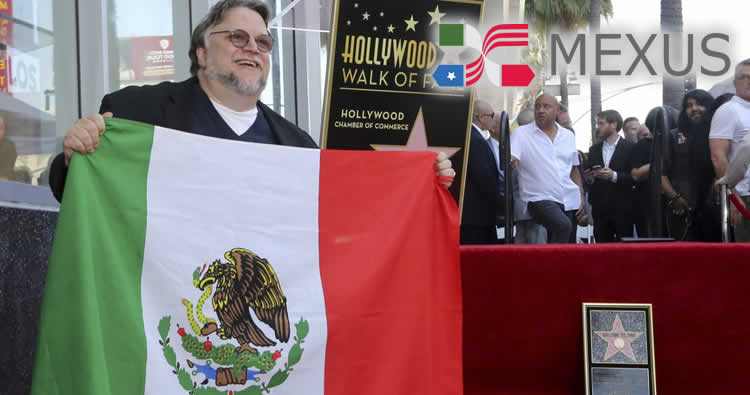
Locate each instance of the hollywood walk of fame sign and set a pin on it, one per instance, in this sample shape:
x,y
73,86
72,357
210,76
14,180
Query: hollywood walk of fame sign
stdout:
x,y
380,94
619,349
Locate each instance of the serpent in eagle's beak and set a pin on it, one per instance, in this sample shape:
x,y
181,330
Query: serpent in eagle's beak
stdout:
x,y
207,280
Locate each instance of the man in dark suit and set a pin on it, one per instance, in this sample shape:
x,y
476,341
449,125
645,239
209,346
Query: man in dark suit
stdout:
x,y
612,191
482,191
230,61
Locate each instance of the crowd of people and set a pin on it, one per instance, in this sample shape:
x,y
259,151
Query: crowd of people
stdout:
x,y
556,188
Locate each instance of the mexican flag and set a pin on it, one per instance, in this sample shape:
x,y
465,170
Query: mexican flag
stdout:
x,y
190,265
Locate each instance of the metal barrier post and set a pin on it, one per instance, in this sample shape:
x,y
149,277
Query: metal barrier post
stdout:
x,y
724,214
508,171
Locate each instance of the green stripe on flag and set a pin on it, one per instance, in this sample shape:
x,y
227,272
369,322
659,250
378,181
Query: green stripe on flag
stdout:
x,y
451,35
91,338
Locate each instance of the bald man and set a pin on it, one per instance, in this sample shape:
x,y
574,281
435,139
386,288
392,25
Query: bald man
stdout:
x,y
482,192
546,158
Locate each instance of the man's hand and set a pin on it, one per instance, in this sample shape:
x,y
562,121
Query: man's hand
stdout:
x,y
83,136
604,174
680,205
444,168
514,162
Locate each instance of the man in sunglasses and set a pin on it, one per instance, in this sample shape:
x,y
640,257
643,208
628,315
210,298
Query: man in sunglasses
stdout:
x,y
230,60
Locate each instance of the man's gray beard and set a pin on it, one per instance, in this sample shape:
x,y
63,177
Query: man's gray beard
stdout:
x,y
231,81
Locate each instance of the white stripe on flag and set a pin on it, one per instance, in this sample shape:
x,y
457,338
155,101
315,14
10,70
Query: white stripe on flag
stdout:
x,y
253,193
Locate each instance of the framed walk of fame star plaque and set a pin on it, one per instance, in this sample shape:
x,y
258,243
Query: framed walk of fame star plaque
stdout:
x,y
380,92
618,349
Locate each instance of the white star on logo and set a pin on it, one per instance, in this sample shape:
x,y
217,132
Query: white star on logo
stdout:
x,y
435,15
390,28
451,76
365,16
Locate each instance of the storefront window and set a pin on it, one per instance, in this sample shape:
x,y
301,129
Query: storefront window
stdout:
x,y
143,49
27,90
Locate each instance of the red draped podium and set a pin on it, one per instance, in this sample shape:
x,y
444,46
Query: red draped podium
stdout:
x,y
523,313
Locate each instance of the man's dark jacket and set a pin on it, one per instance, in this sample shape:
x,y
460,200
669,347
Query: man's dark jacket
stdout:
x,y
169,105
482,202
610,199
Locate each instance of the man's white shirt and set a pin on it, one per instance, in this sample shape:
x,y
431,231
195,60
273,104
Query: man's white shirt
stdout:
x,y
544,165
238,121
608,150
732,122
485,133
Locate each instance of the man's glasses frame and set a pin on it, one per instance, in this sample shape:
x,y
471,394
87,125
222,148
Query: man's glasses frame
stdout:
x,y
240,38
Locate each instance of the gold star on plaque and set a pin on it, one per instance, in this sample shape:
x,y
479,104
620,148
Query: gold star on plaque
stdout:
x,y
390,28
365,16
435,16
411,23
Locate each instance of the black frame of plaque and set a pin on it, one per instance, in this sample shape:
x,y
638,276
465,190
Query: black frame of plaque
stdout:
x,y
647,309
331,136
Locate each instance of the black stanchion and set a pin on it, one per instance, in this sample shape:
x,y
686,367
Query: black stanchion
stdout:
x,y
508,171
660,144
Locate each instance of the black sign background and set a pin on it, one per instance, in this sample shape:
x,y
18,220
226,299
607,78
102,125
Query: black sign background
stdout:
x,y
446,111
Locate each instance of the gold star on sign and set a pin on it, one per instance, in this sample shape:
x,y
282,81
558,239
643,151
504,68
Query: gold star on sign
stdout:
x,y
374,28
411,23
382,14
390,28
365,16
435,16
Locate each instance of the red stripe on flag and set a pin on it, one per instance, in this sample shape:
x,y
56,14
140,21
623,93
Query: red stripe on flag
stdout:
x,y
475,78
508,44
507,26
476,70
497,36
474,63
389,265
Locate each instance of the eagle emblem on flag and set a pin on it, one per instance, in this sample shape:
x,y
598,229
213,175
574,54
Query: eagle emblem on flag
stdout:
x,y
245,283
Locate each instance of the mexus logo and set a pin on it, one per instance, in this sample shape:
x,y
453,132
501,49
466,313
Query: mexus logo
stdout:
x,y
463,35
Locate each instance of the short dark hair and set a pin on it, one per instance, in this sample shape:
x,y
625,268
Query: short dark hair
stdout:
x,y
628,119
214,17
611,116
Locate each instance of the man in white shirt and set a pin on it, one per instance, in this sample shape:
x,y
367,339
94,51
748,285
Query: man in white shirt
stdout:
x,y
545,155
527,230
729,126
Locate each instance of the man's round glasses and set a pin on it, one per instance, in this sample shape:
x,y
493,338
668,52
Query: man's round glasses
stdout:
x,y
240,38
